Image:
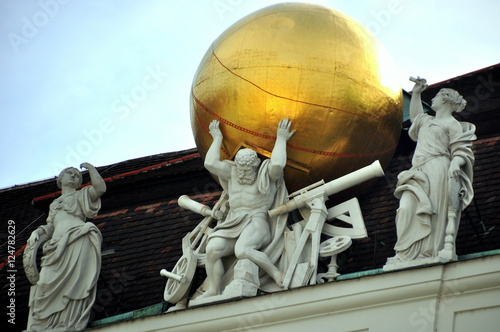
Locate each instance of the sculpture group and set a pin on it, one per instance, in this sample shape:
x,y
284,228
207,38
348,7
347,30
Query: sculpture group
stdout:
x,y
246,242
250,245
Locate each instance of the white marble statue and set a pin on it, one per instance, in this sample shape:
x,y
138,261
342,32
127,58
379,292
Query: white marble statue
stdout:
x,y
251,248
439,184
251,190
64,292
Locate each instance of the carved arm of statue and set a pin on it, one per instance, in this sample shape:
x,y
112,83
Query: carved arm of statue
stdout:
x,y
46,230
416,99
98,185
213,161
278,156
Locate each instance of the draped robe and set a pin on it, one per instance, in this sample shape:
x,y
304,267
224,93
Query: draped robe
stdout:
x,y
421,225
62,298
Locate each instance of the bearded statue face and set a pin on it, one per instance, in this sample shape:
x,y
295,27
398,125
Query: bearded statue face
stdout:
x,y
246,174
247,163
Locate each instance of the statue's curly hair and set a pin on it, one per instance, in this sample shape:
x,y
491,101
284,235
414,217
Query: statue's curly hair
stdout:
x,y
247,157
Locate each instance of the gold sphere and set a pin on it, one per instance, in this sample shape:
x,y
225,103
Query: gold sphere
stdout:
x,y
313,65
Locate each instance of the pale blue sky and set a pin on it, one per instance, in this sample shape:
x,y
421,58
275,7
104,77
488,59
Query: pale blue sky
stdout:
x,y
107,81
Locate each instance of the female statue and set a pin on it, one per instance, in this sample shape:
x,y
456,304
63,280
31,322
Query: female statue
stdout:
x,y
439,184
63,296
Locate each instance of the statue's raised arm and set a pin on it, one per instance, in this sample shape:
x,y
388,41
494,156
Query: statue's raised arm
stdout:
x,y
98,187
278,156
416,99
213,161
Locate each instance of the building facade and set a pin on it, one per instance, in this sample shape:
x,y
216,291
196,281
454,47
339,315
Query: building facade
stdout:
x,y
143,227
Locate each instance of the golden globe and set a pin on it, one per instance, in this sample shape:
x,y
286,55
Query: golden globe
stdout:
x,y
313,65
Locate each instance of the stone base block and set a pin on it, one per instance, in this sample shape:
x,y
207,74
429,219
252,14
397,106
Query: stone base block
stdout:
x,y
393,265
245,283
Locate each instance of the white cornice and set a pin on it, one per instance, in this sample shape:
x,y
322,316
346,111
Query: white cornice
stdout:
x,y
383,292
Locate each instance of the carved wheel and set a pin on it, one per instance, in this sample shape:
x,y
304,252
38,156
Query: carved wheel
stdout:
x,y
335,245
29,260
185,267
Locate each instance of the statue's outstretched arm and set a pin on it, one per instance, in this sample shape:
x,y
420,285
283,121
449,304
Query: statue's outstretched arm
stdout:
x,y
416,99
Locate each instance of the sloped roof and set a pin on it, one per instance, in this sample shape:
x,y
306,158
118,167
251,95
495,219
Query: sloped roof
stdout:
x,y
142,225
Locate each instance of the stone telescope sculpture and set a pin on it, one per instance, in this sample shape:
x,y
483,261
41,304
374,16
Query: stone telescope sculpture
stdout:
x,y
260,251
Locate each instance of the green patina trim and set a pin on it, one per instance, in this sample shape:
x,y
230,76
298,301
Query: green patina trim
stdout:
x,y
152,310
373,272
112,319
479,254
155,309
361,274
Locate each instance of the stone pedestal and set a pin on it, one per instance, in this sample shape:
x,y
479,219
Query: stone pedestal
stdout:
x,y
393,265
246,280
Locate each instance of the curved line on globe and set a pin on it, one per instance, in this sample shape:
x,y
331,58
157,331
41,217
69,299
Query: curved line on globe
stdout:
x,y
291,99
291,146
